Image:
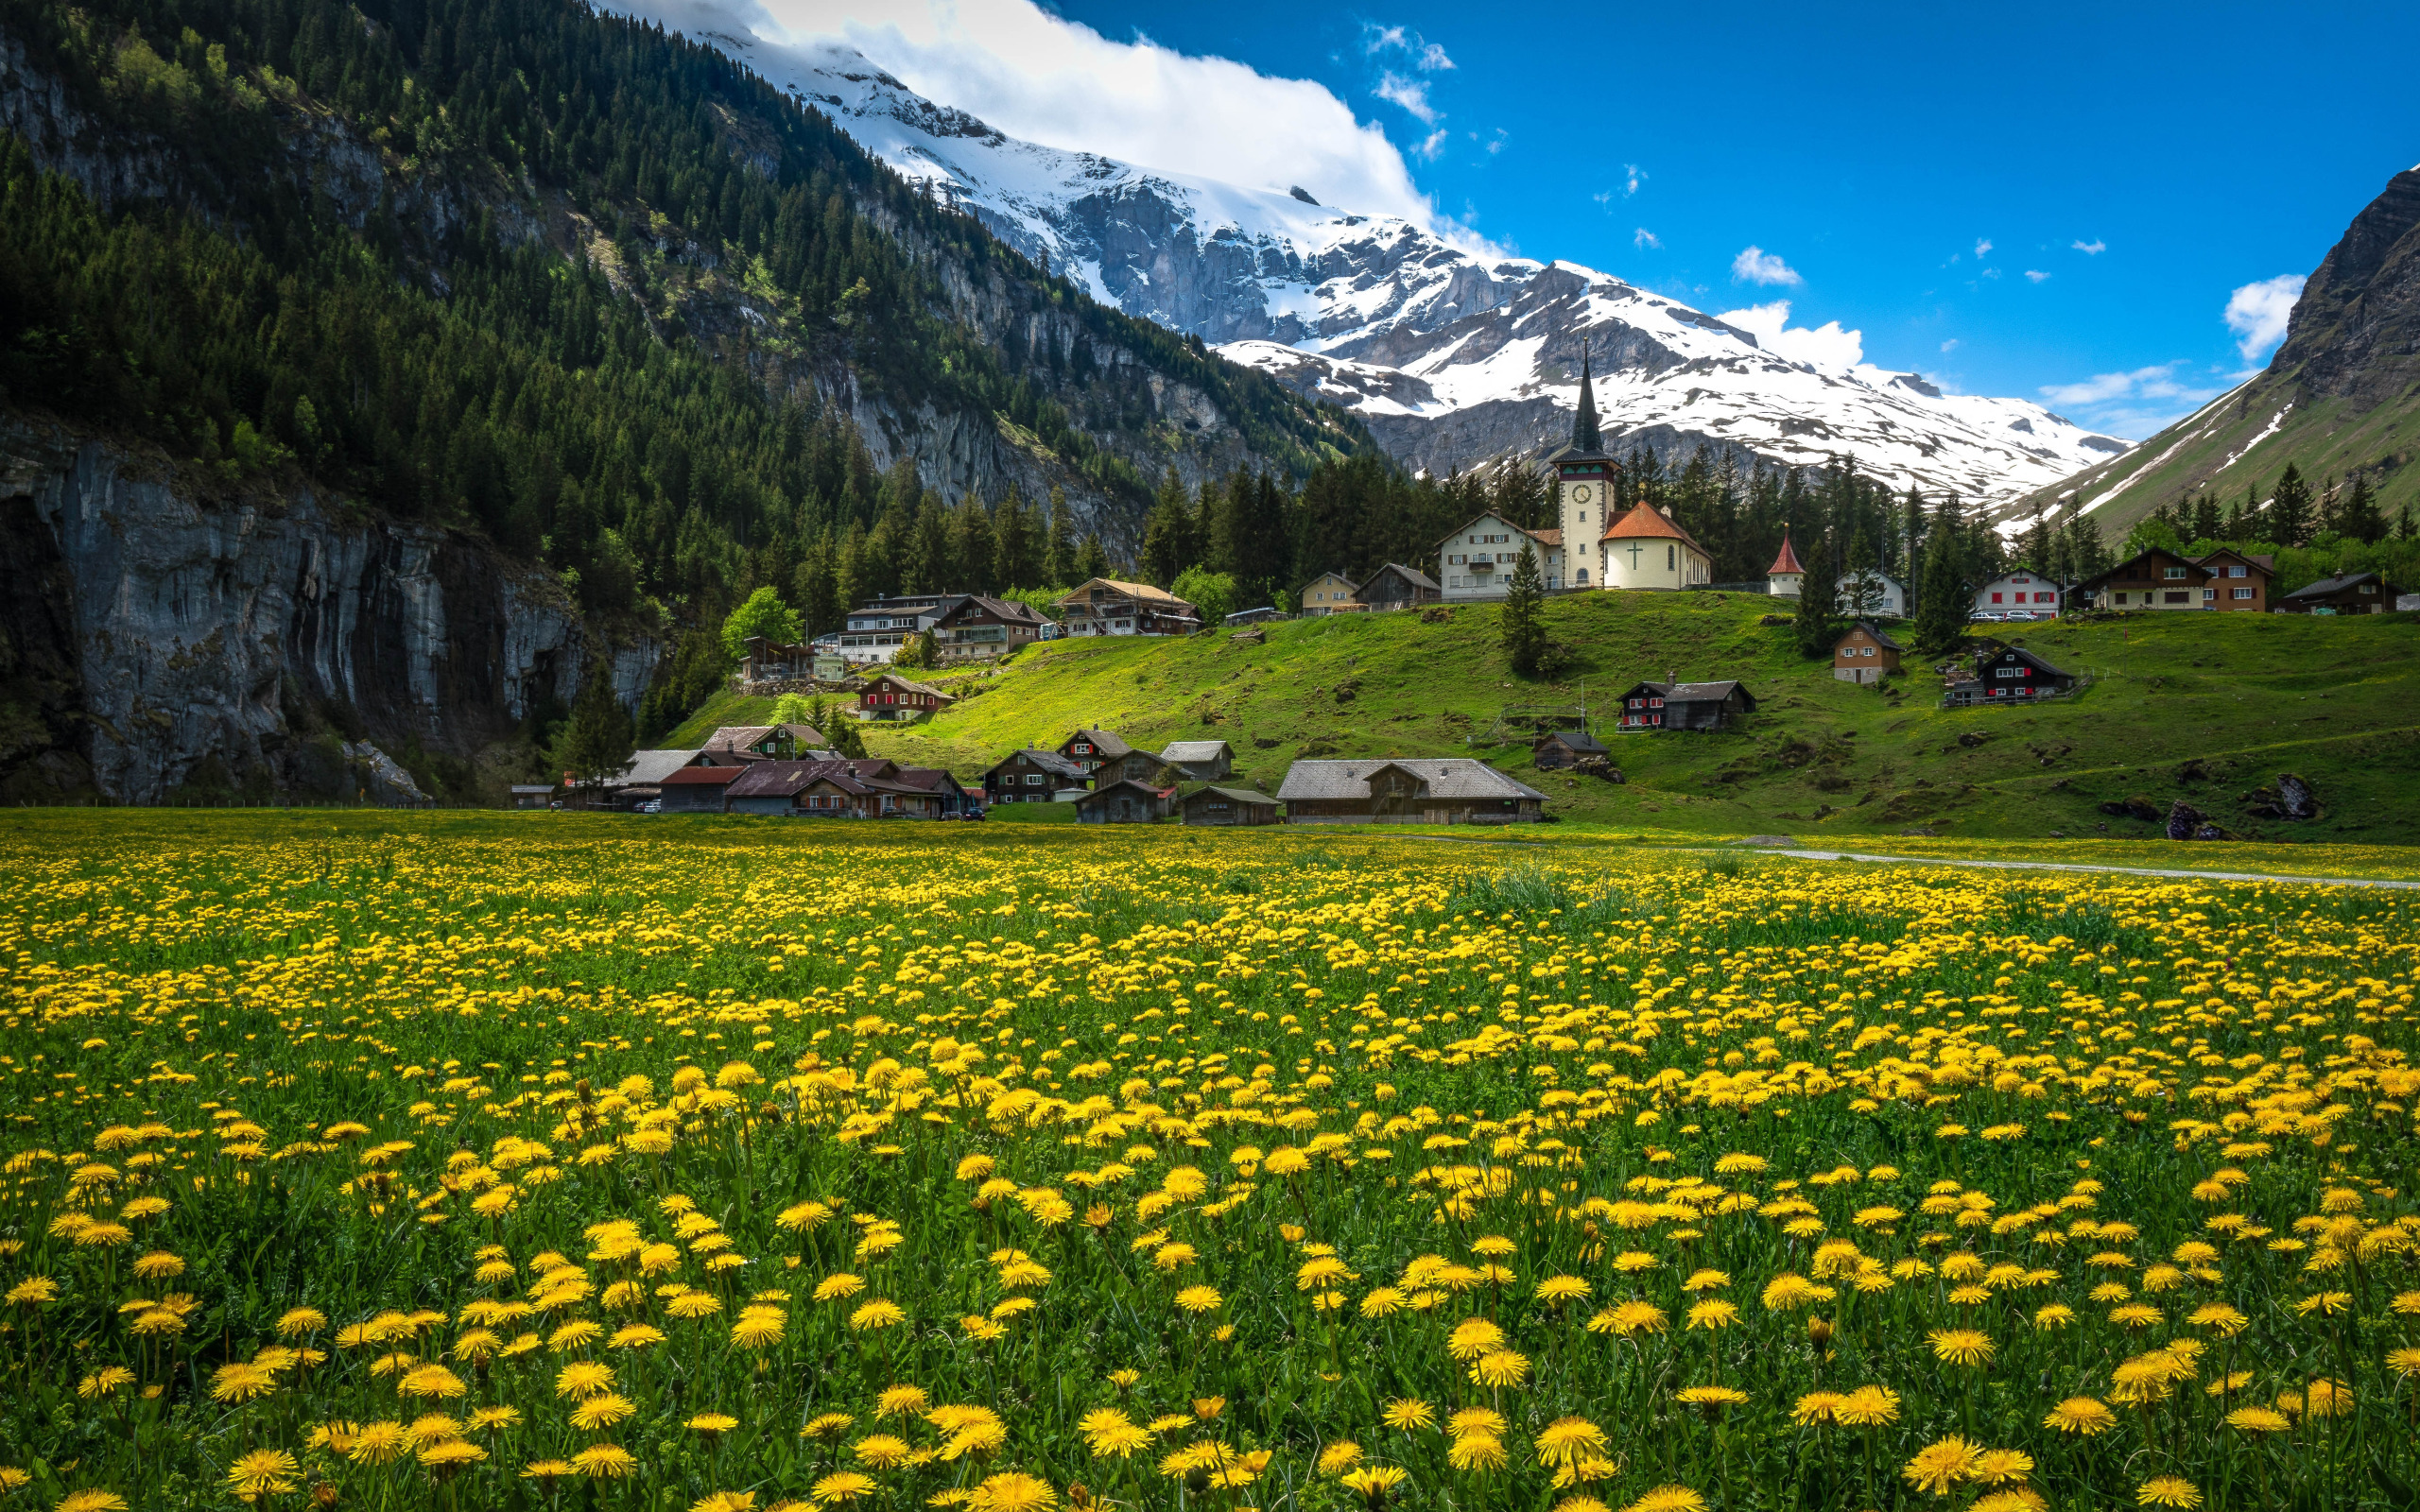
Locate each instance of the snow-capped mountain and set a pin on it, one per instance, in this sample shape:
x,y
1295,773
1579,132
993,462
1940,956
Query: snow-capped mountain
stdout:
x,y
1452,359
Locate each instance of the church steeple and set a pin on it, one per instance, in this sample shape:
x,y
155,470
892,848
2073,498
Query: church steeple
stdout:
x,y
1584,423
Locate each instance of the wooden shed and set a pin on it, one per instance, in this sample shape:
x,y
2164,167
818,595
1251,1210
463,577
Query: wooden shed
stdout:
x,y
1125,802
1236,806
1559,749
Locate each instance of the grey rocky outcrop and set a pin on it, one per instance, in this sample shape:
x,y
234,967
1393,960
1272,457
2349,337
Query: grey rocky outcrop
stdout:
x,y
157,629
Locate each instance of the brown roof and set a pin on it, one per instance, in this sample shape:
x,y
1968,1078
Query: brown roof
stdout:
x,y
701,777
739,737
1105,744
1550,536
1650,522
1786,561
906,685
1875,631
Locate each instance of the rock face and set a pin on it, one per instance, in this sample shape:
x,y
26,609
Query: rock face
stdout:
x,y
2355,333
157,638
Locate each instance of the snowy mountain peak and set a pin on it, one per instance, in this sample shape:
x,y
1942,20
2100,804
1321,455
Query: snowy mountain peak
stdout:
x,y
1453,358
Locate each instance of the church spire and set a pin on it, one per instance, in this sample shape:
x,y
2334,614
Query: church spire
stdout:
x,y
1584,425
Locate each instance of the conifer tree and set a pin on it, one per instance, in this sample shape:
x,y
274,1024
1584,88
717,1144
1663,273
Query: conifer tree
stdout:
x,y
1059,556
1941,606
2360,517
595,743
2289,509
1169,535
1813,626
1524,628
1016,553
1091,561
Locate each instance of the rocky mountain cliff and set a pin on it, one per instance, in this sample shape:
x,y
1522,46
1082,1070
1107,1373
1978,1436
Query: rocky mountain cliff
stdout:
x,y
2340,396
162,638
1451,357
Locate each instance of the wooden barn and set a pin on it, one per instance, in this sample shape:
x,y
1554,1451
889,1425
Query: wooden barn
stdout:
x,y
1677,705
1234,806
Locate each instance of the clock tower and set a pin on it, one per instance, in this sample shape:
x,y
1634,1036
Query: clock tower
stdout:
x,y
1587,479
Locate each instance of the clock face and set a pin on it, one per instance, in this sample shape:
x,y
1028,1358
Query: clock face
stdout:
x,y
1580,493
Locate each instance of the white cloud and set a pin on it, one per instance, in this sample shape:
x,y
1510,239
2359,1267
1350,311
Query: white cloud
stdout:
x,y
1426,56
1645,240
1984,247
2093,248
1825,346
2256,313
1632,176
2132,405
1949,346
1431,144
2035,274
1409,94
1047,79
1756,266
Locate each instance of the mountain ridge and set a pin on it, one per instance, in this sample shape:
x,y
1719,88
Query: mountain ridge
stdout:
x,y
1492,343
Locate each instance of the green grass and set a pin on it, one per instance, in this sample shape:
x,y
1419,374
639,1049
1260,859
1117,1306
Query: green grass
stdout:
x,y
2335,700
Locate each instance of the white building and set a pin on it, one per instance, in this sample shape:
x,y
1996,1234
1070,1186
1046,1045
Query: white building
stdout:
x,y
1869,596
1604,546
2020,591
1476,561
1784,577
879,627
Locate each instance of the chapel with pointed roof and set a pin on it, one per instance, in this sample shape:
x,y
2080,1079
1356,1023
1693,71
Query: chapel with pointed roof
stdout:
x,y
1587,483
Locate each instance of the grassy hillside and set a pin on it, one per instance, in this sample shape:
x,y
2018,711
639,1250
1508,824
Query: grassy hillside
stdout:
x,y
2202,707
2246,437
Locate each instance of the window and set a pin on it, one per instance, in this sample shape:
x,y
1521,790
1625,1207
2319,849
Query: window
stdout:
x,y
2369,588
1995,598
2012,672
1033,779
2172,572
2045,598
1655,703
2120,596
1583,575
1670,554
2208,594
2242,593
2175,597
2235,571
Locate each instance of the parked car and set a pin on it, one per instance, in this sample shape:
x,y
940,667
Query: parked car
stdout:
x,y
653,805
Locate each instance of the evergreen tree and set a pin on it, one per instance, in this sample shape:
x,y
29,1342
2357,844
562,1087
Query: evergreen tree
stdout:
x,y
1524,623
839,730
1814,626
1091,561
1911,533
1016,548
2289,522
1170,539
1942,607
1058,554
2360,517
2206,523
975,547
819,601
595,743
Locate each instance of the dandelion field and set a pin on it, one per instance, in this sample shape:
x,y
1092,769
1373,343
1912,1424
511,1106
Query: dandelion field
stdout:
x,y
535,1162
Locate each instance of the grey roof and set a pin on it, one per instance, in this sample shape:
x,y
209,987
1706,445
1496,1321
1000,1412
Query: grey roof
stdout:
x,y
1410,574
741,737
2333,585
1578,740
533,787
1050,760
1105,744
1698,691
1447,777
649,767
1195,750
1107,788
1879,638
1237,795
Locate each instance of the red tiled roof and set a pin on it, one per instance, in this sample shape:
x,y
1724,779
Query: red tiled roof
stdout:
x,y
1786,561
702,776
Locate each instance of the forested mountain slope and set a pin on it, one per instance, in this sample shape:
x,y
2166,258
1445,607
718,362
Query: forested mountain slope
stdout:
x,y
563,289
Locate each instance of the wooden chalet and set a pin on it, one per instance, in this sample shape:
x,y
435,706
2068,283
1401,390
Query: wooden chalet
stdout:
x,y
1032,776
982,628
533,795
765,742
1236,807
2226,581
1330,593
1108,606
873,788
2352,593
1125,802
2011,674
1406,790
1865,654
1106,756
1199,761
891,699
1559,749
1396,586
1677,705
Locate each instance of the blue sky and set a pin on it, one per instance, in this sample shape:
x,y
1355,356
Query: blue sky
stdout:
x,y
1874,150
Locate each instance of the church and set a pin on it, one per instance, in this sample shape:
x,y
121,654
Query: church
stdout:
x,y
1605,546
1595,541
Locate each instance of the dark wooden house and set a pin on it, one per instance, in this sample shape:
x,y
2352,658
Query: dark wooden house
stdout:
x,y
2352,593
891,699
1228,806
1106,756
982,628
1125,802
1031,776
697,789
2011,674
1396,586
1201,761
1406,790
1865,654
1677,705
1559,749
